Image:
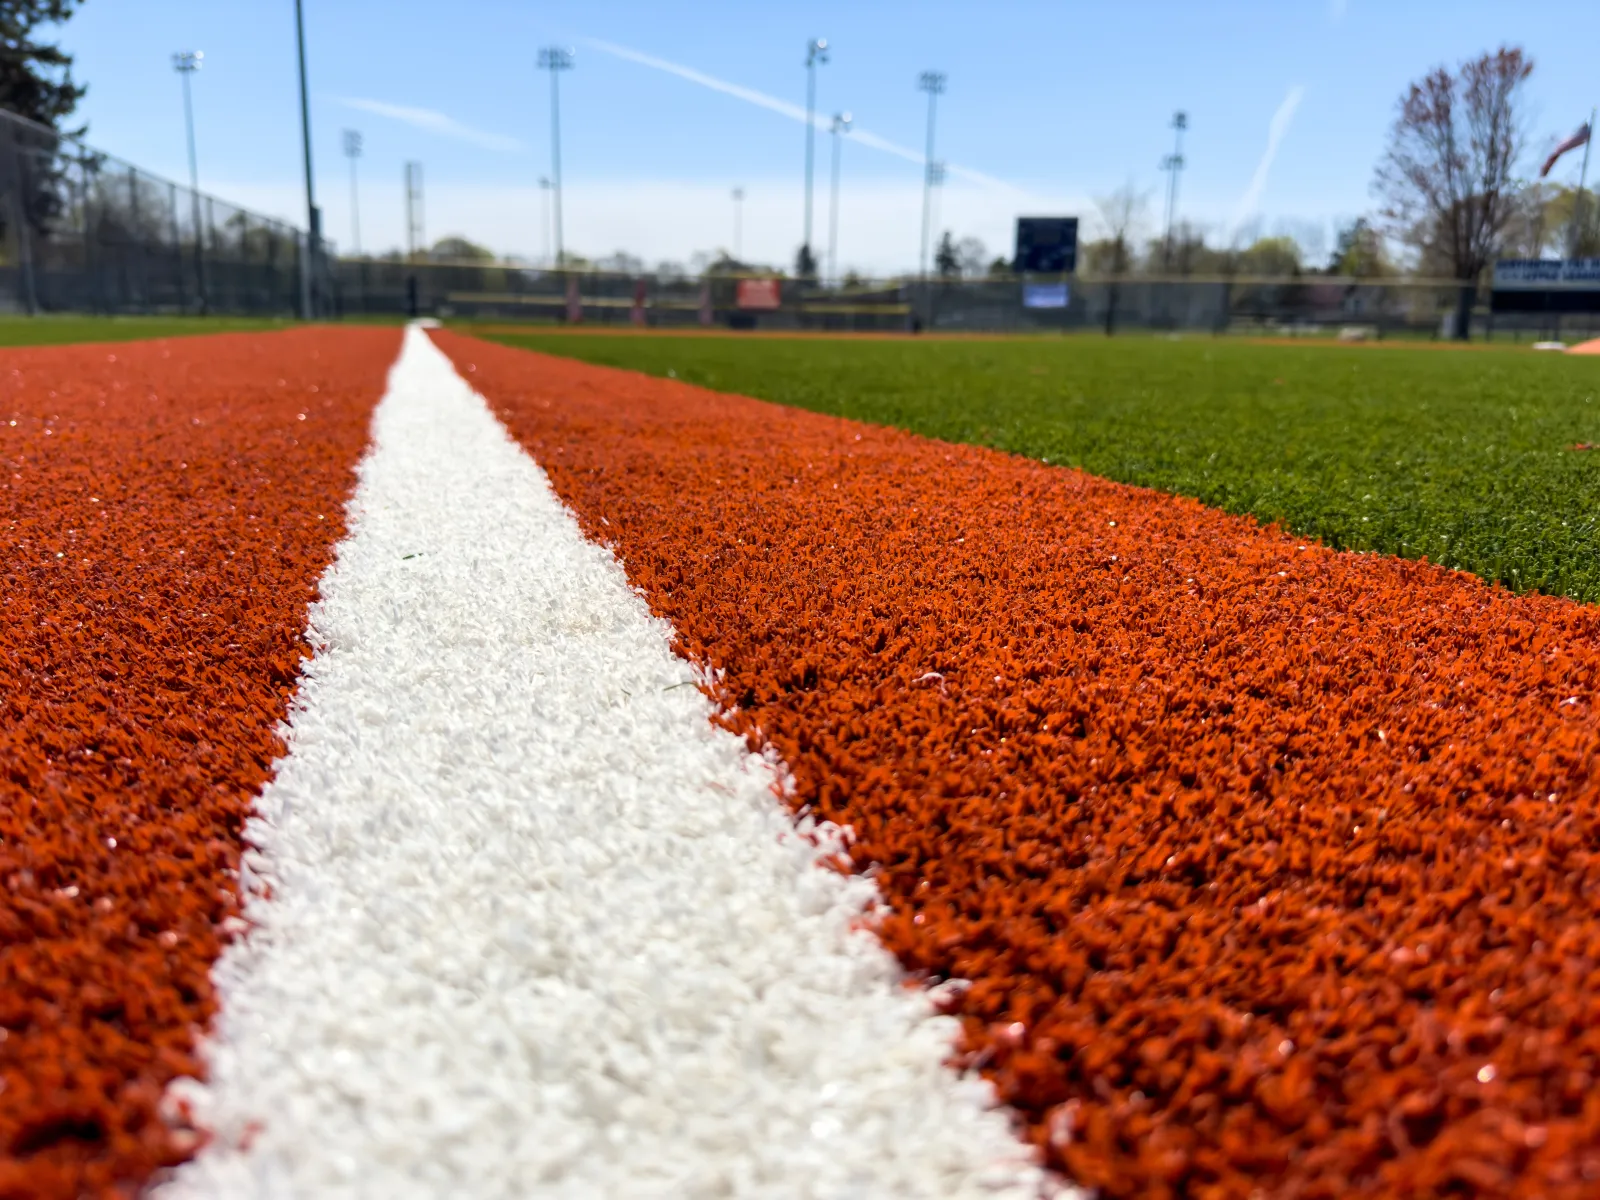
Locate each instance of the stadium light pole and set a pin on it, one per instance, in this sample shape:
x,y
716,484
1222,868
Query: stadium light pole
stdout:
x,y
544,218
308,298
1173,164
933,83
416,240
841,124
556,59
816,52
738,224
352,151
186,63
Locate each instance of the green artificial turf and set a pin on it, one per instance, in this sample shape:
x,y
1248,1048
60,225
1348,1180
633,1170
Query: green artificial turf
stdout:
x,y
1460,455
51,331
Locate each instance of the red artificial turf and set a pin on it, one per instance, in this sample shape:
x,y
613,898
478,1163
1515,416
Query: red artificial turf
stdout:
x,y
1275,870
166,509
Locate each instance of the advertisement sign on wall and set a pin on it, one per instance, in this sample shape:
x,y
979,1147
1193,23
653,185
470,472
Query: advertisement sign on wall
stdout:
x,y
1045,295
1541,274
1546,285
759,294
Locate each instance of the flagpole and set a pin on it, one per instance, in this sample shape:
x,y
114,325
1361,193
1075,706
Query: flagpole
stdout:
x,y
1583,179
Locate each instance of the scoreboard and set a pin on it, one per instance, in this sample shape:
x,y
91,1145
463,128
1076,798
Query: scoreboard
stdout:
x,y
1046,246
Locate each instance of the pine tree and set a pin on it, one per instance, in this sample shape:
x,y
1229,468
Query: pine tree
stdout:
x,y
35,76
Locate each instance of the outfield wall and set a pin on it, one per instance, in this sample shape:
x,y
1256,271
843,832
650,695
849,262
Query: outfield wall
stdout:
x,y
1307,304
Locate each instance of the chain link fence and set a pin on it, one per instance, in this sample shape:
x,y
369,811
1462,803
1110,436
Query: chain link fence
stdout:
x,y
1305,305
82,231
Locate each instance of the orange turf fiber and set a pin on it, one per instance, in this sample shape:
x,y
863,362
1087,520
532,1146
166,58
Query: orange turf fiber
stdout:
x,y
1275,870
166,508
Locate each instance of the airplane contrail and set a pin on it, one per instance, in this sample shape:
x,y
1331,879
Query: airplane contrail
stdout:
x,y
1279,127
433,122
793,111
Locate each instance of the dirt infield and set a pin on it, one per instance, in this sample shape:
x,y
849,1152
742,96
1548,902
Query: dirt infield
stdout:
x,y
167,509
1274,869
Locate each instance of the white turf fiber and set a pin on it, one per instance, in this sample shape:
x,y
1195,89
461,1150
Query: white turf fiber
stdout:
x,y
536,927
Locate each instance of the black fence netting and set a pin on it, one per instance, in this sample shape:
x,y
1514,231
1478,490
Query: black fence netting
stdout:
x,y
83,231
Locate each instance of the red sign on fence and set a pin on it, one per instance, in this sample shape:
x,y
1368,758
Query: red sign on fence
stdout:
x,y
759,294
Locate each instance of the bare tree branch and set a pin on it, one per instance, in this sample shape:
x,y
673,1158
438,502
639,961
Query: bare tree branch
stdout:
x,y
1448,176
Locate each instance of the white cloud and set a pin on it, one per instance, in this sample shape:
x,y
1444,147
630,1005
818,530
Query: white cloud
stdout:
x,y
434,122
1281,120
794,112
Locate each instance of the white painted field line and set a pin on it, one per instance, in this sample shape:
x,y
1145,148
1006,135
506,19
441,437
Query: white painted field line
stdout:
x,y
536,927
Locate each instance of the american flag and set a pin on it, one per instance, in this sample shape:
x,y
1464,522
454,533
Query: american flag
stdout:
x,y
1572,143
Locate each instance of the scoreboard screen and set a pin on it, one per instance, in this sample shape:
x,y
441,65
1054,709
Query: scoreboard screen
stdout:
x,y
1046,246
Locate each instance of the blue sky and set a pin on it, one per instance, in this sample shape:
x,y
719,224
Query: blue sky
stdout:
x,y
1047,106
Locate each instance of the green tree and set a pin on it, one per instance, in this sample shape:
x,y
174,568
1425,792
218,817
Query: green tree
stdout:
x,y
1557,218
947,258
458,249
1191,254
36,76
1271,258
972,257
620,262
1358,253
36,83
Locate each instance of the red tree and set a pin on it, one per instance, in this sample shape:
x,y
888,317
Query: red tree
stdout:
x,y
1446,177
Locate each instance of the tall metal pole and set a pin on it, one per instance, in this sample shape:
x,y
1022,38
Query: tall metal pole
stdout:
x,y
841,124
544,218
933,83
186,63
352,151
308,264
556,59
738,224
1577,201
816,51
416,241
1173,164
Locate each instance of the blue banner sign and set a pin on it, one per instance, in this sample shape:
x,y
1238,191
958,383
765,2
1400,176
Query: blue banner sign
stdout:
x,y
1044,295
